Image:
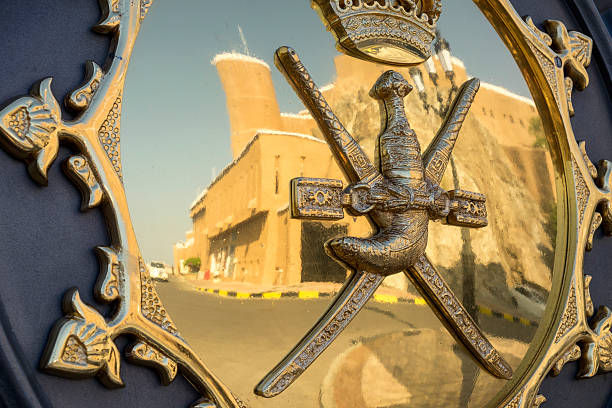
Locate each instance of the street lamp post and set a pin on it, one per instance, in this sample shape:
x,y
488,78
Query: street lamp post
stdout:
x,y
442,50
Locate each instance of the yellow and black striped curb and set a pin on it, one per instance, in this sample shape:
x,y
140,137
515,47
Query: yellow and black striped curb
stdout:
x,y
313,294
302,294
506,316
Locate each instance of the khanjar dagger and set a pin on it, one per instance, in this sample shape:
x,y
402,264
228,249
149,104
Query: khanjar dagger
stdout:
x,y
399,196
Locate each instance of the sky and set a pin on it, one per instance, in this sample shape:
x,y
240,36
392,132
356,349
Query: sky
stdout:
x,y
175,127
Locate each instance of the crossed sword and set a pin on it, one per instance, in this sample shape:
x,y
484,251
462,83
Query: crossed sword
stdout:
x,y
372,195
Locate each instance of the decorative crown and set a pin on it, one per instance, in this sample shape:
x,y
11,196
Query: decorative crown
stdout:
x,y
396,32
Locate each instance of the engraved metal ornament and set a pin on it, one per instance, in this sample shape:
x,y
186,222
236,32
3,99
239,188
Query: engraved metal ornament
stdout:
x,y
396,32
553,61
400,196
82,343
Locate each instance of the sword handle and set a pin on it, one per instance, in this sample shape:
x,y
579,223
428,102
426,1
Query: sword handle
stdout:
x,y
467,209
350,300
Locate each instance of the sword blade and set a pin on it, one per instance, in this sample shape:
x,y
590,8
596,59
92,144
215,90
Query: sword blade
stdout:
x,y
350,157
457,320
438,153
350,300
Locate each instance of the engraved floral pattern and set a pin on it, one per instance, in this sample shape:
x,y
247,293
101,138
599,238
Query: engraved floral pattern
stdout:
x,y
110,137
83,344
29,129
80,172
108,287
148,355
81,98
597,352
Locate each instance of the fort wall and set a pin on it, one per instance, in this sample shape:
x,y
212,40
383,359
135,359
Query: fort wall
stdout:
x,y
250,97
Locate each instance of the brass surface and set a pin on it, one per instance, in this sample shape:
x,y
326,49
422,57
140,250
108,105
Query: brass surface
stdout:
x,y
397,32
553,62
81,344
401,196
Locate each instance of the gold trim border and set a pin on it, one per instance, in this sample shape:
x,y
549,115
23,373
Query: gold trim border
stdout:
x,y
553,61
81,344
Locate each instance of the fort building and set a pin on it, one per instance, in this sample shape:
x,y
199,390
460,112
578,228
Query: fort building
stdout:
x,y
242,226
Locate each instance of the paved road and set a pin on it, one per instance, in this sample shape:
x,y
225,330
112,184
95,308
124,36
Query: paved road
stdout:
x,y
241,339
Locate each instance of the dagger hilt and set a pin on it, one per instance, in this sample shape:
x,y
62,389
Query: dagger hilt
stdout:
x,y
326,199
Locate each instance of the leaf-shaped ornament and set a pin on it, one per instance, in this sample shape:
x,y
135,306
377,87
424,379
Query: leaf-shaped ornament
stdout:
x,y
80,344
29,129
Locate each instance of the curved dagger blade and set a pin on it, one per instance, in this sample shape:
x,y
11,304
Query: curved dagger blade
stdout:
x,y
355,164
457,320
438,153
350,300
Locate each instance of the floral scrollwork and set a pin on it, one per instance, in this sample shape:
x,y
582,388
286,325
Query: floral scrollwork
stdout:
x,y
108,286
574,52
604,182
144,8
81,344
574,49
78,169
539,400
29,129
111,12
81,98
597,352
145,354
572,354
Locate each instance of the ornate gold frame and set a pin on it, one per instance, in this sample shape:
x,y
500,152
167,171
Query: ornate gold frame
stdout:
x,y
553,62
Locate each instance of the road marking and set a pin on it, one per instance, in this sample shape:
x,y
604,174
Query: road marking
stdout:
x,y
313,294
308,294
485,311
272,295
385,298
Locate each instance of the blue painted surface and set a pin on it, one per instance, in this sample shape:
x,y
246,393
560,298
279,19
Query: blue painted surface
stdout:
x,y
607,18
593,123
46,243
53,251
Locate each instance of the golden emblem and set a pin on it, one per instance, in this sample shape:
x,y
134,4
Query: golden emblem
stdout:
x,y
400,196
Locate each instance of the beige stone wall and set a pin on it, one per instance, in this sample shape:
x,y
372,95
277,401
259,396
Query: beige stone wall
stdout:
x,y
250,97
301,123
182,251
244,212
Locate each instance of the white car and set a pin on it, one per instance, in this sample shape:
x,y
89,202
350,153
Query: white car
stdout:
x,y
157,271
